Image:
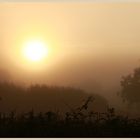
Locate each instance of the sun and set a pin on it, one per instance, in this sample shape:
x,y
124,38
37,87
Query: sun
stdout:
x,y
35,50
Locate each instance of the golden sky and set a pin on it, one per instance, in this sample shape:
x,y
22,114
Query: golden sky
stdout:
x,y
89,42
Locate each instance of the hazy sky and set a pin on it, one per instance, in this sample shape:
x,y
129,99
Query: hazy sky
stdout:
x,y
93,44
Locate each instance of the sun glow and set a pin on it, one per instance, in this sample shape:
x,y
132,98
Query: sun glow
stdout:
x,y
35,50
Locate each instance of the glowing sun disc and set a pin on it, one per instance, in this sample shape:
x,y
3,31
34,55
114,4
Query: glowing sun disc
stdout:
x,y
35,50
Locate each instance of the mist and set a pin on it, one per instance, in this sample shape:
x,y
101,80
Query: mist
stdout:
x,y
66,65
94,44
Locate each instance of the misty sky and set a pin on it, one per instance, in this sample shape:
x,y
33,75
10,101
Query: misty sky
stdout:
x,y
93,44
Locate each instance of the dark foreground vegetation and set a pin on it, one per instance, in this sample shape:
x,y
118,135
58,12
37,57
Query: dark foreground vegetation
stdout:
x,y
43,111
73,124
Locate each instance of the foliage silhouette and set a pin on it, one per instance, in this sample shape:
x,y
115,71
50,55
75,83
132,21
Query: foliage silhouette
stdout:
x,y
52,124
131,88
44,98
51,111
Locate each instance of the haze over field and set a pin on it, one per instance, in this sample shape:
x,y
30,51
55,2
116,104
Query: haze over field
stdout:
x,y
69,68
90,45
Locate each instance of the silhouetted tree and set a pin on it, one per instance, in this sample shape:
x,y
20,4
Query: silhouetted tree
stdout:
x,y
131,87
47,98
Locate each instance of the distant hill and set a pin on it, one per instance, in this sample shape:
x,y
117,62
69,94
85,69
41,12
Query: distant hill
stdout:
x,y
45,98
